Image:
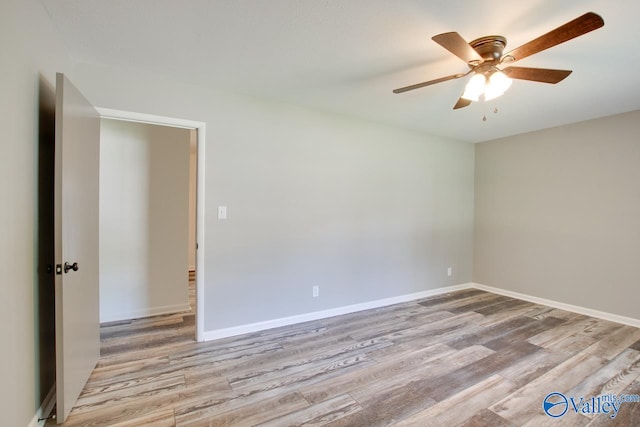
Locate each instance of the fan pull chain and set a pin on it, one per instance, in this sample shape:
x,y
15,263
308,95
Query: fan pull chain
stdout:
x,y
484,116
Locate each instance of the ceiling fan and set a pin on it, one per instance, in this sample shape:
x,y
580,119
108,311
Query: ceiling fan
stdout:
x,y
485,60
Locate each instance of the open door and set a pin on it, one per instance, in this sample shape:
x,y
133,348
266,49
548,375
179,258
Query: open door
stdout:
x,y
77,162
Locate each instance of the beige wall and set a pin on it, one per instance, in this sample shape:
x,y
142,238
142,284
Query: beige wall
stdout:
x,y
363,210
557,214
144,212
30,55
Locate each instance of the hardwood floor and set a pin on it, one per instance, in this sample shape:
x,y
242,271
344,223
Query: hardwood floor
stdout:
x,y
467,358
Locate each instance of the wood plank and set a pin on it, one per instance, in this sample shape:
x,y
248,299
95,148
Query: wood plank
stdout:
x,y
224,355
629,413
612,378
271,361
106,374
125,387
301,363
387,410
397,352
440,331
474,398
301,376
526,402
523,333
572,344
513,312
129,353
484,418
157,386
408,363
508,305
320,414
448,384
144,326
542,311
478,305
431,374
532,366
615,343
109,414
588,327
475,336
247,415
394,325
161,418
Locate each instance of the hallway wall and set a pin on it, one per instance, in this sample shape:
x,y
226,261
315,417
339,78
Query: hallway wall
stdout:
x,y
144,215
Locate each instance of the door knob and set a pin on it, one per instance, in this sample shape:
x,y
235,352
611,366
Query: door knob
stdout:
x,y
68,267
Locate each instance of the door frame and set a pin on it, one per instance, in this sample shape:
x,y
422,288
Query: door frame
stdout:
x,y
200,127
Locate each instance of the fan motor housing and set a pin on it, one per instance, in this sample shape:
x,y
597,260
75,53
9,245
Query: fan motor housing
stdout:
x,y
490,48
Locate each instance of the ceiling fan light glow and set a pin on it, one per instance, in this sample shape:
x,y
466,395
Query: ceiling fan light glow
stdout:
x,y
475,87
497,84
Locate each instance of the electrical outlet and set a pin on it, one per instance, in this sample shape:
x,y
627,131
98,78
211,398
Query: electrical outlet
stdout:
x,y
316,291
449,271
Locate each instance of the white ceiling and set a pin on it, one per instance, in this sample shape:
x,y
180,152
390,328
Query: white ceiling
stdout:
x,y
346,56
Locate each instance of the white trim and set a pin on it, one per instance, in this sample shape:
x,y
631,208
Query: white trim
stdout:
x,y
200,216
130,116
109,113
34,421
316,315
45,409
563,306
145,312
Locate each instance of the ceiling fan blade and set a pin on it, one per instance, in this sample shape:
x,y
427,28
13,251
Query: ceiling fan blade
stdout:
x,y
429,83
455,44
579,26
461,103
543,75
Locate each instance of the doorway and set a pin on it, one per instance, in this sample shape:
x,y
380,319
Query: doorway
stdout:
x,y
196,150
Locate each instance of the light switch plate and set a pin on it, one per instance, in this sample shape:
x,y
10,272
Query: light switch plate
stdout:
x,y
222,212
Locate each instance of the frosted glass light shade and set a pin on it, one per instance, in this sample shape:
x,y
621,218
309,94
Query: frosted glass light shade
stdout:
x,y
489,88
475,87
497,84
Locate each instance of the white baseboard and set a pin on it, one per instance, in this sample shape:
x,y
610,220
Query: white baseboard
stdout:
x,y
563,306
45,409
285,321
147,312
323,314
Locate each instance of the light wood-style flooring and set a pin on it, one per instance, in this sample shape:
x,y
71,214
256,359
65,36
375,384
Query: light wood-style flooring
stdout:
x,y
466,358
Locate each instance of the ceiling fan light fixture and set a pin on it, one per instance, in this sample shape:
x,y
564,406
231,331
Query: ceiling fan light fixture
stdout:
x,y
485,54
497,85
486,87
475,87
